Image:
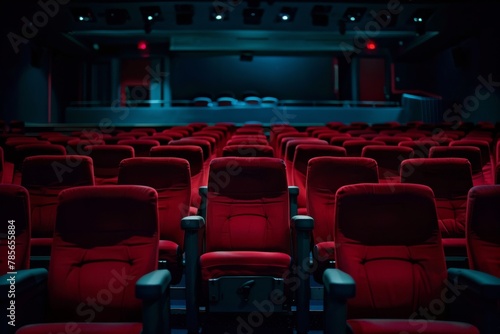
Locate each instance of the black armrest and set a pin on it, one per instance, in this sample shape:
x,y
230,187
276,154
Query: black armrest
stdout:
x,y
153,289
339,286
483,284
192,225
303,226
153,285
303,223
293,193
202,210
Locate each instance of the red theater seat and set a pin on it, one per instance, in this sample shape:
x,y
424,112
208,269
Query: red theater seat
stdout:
x,y
27,150
325,175
473,154
103,265
194,155
172,180
388,160
450,179
304,153
247,240
420,148
389,263
106,161
6,169
45,177
248,151
15,229
289,153
141,146
354,148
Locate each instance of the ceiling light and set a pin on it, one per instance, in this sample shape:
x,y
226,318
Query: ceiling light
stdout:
x,y
252,15
151,13
286,14
83,15
354,14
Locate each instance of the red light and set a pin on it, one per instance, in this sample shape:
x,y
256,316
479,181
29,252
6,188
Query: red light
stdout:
x,y
371,45
142,45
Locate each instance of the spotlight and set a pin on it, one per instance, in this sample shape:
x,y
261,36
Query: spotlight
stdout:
x,y
151,13
419,18
216,14
287,14
116,16
354,14
320,15
184,14
252,15
83,15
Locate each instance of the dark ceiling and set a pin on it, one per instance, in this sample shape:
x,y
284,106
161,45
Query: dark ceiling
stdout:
x,y
322,26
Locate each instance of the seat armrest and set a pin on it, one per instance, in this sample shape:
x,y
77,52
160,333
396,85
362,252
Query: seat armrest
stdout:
x,y
338,287
192,223
293,193
154,291
153,285
202,210
338,284
303,226
303,223
482,284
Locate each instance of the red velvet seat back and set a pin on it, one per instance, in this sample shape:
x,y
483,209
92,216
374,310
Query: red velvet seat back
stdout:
x,y
248,206
483,229
194,155
106,238
387,238
14,206
450,179
420,148
107,159
250,140
172,180
28,150
304,153
204,144
45,177
354,148
248,151
141,146
325,175
473,154
388,159
483,146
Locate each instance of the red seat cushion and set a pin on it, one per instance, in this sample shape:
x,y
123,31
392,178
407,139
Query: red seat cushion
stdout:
x,y
244,263
382,326
83,328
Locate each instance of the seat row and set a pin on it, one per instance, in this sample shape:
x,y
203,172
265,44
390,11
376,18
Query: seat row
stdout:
x,y
386,237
